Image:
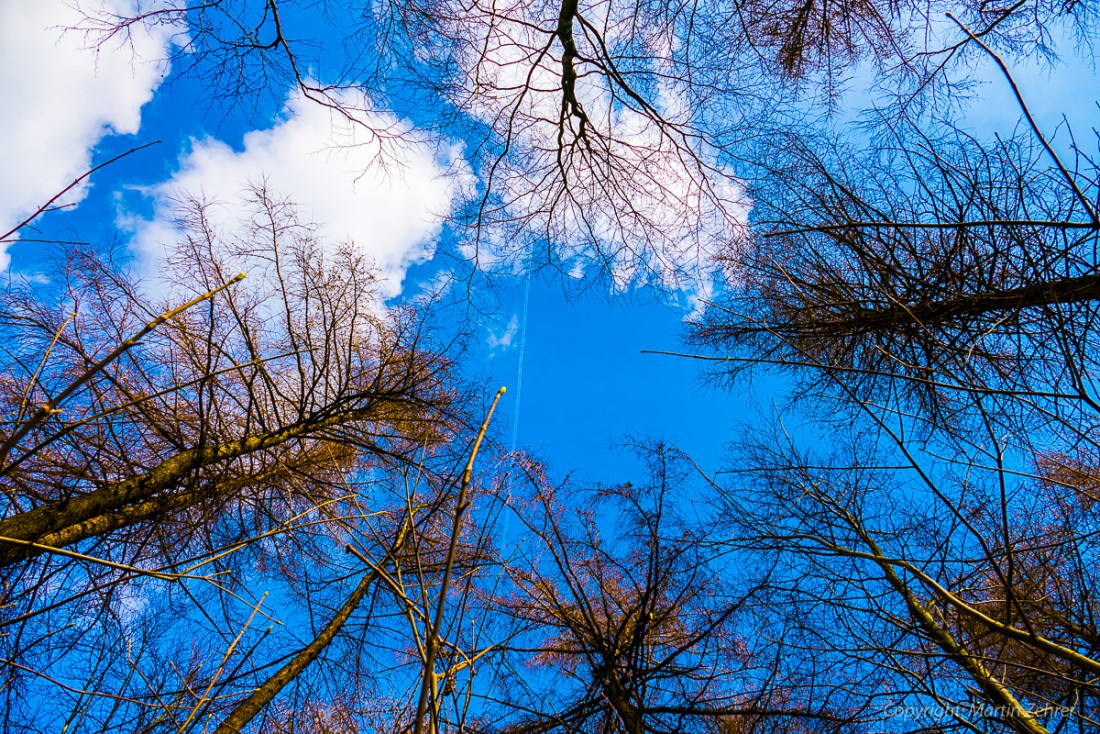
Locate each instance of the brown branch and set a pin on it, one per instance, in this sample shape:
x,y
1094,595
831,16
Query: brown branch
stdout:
x,y
1043,223
51,406
64,517
432,641
75,182
263,695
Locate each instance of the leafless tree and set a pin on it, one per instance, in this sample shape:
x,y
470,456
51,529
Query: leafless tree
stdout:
x,y
935,300
939,265
608,137
160,472
950,594
624,619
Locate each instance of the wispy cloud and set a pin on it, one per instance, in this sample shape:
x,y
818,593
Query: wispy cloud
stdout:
x,y
502,341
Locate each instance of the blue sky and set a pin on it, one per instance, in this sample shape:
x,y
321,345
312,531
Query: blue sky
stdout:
x,y
586,383
587,387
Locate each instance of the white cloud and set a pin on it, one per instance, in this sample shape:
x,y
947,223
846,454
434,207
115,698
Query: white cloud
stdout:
x,y
502,341
630,194
390,203
61,97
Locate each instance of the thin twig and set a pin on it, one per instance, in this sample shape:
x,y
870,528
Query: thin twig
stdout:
x,y
51,406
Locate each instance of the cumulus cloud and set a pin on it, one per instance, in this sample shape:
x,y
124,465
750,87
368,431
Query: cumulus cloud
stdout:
x,y
388,201
61,97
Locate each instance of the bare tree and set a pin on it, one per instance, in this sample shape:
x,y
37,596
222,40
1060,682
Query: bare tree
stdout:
x,y
609,138
625,620
157,472
935,299
951,594
958,266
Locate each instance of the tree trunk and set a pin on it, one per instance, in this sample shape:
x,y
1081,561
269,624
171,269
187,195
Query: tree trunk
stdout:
x,y
1068,290
263,695
119,504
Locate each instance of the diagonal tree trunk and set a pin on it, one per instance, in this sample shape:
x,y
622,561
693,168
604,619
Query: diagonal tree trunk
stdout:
x,y
247,709
1068,290
119,504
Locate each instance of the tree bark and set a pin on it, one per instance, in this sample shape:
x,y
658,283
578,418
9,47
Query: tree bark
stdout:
x,y
247,709
118,504
1068,290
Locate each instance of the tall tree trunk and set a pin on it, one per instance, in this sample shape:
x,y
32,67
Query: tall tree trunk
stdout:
x,y
119,504
247,709
1068,290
